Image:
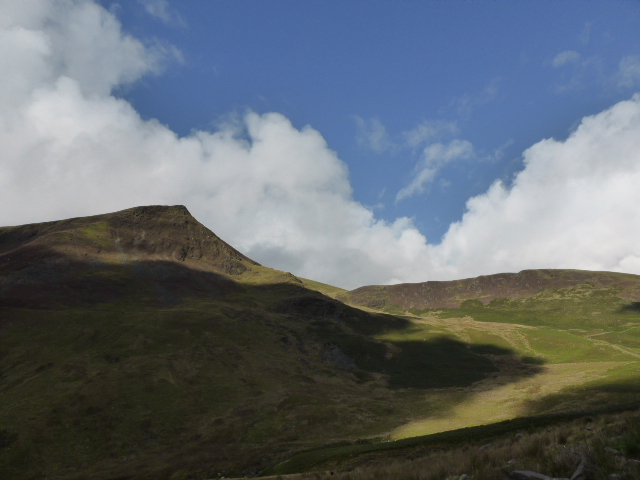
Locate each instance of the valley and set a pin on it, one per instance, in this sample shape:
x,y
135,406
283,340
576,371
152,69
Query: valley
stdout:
x,y
140,345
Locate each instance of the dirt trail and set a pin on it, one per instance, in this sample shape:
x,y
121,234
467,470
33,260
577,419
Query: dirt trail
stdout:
x,y
605,333
460,327
626,350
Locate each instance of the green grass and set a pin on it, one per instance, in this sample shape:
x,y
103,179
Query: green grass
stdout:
x,y
589,309
559,346
628,337
182,371
324,288
83,387
313,459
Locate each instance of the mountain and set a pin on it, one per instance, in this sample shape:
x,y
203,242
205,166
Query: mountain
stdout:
x,y
487,288
138,344
81,260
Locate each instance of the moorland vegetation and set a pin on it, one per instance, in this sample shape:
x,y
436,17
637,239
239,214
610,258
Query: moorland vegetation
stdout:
x,y
140,345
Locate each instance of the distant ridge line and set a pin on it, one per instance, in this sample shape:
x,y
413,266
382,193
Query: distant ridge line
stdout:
x,y
486,288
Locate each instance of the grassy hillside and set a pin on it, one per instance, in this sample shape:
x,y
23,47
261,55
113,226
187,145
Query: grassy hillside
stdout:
x,y
488,288
553,444
266,371
583,339
140,345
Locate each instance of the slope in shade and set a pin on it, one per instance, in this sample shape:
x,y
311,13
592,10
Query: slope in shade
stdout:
x,y
75,260
141,335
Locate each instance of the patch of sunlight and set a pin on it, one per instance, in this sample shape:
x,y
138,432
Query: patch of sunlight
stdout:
x,y
504,402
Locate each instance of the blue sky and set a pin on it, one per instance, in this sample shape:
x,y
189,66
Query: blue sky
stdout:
x,y
353,142
493,69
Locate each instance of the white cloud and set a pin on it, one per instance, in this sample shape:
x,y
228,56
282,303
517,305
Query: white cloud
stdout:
x,y
566,57
160,10
434,157
157,8
466,104
279,194
498,153
629,72
579,72
372,134
69,148
585,35
430,130
573,206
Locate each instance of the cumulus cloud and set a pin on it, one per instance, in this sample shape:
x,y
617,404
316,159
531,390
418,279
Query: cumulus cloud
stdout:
x,y
434,157
69,147
563,58
573,206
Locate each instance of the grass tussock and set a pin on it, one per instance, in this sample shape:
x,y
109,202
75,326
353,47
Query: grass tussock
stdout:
x,y
607,442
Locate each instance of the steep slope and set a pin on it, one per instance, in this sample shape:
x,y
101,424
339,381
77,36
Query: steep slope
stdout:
x,y
153,232
76,260
139,345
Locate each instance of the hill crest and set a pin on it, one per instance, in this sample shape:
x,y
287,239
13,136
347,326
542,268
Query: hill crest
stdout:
x,y
153,232
161,253
486,288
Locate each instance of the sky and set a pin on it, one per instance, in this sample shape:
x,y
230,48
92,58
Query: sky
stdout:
x,y
351,142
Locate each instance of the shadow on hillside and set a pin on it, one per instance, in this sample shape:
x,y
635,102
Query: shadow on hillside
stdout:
x,y
40,277
440,362
604,394
346,337
630,307
44,279
165,337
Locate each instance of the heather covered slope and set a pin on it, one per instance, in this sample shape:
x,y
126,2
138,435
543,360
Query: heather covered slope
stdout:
x,y
152,233
486,288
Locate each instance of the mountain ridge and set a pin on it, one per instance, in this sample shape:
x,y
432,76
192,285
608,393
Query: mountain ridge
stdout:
x,y
175,351
487,288
88,259
141,335
128,233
